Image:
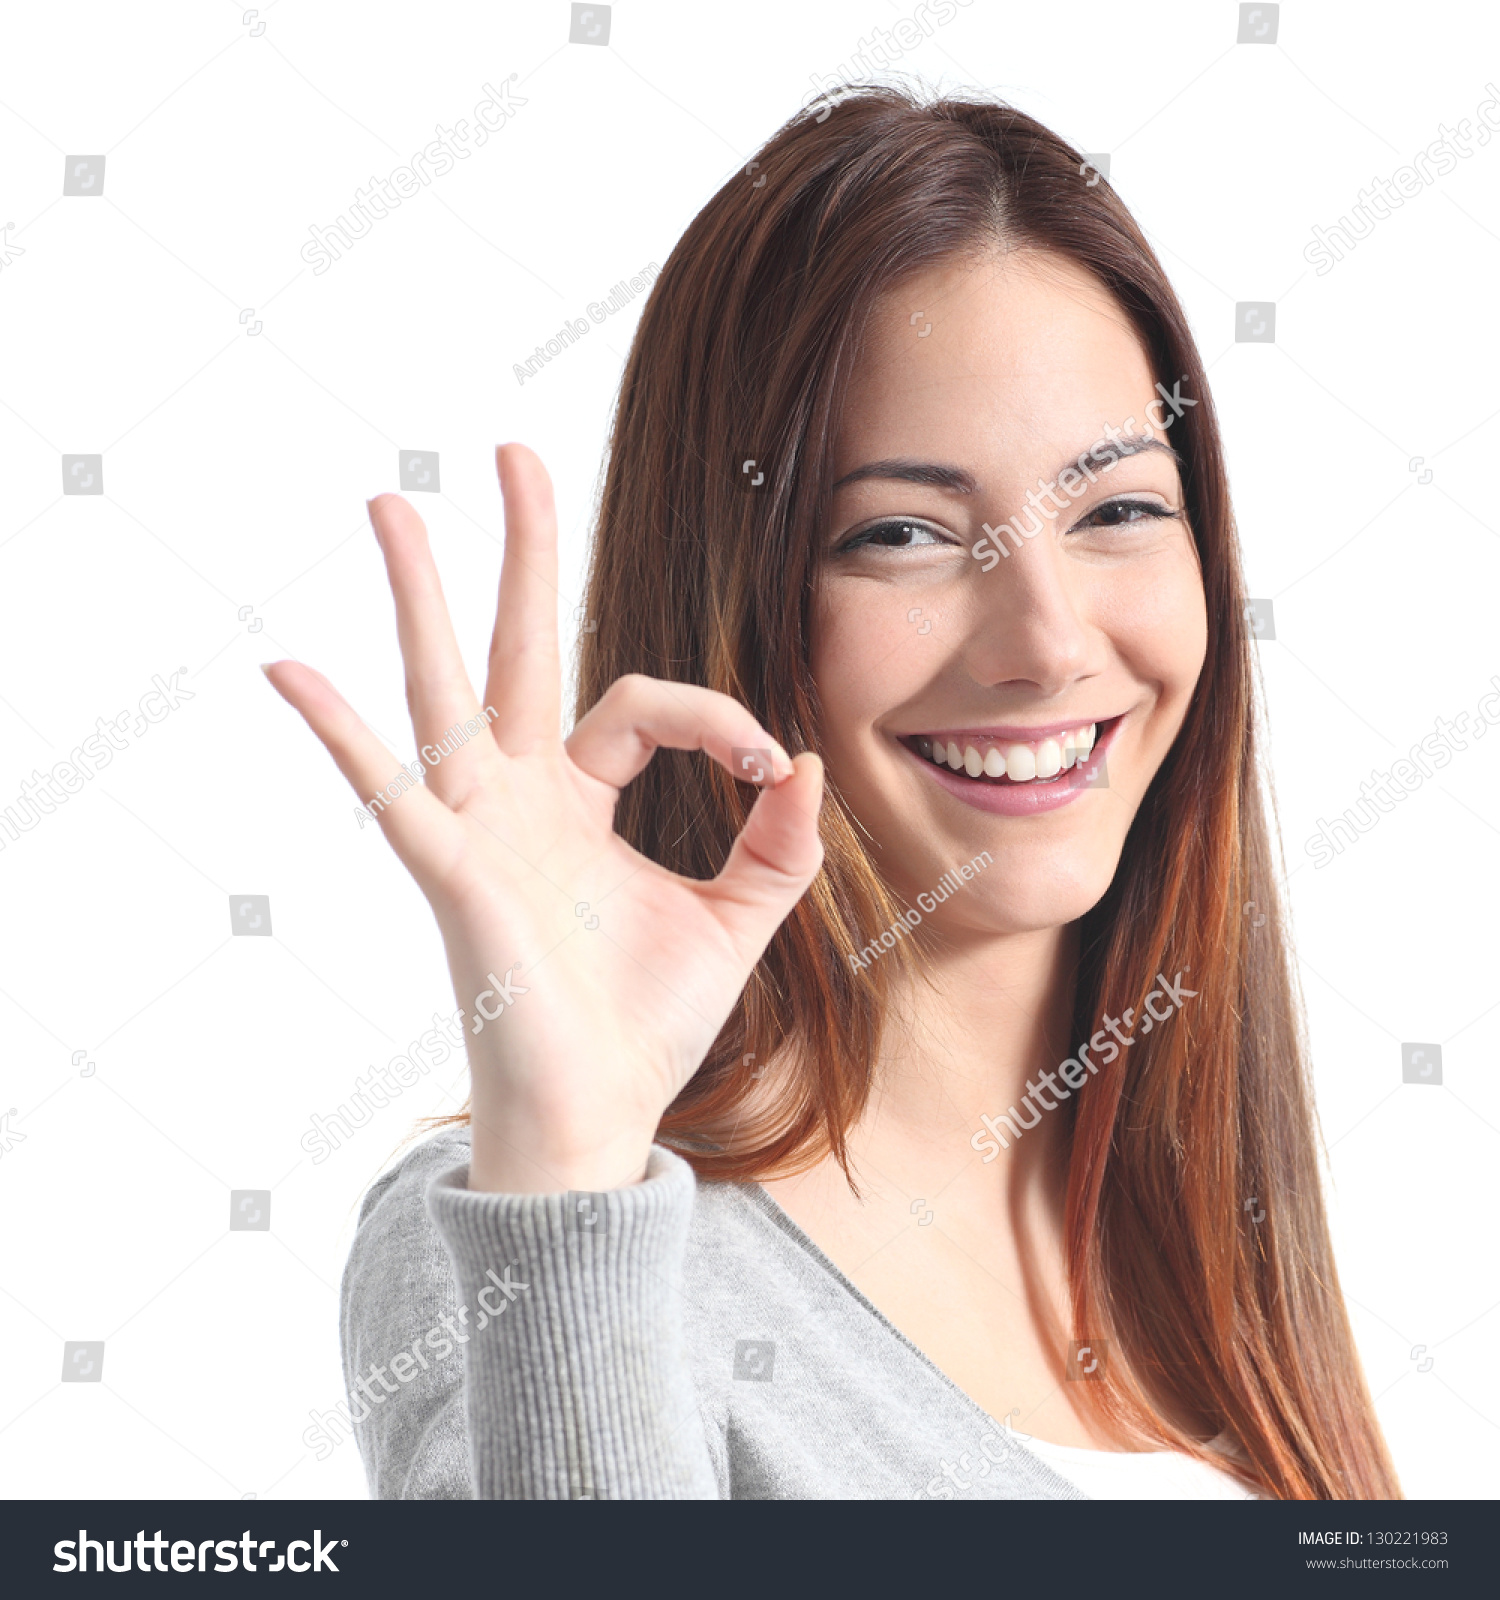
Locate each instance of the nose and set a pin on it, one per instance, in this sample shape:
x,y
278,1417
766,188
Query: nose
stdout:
x,y
1028,622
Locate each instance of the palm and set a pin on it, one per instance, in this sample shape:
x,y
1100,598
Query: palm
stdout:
x,y
628,970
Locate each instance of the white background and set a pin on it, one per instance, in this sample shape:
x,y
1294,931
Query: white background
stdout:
x,y
236,466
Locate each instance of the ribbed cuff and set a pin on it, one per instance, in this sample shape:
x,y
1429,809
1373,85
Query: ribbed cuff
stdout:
x,y
576,1374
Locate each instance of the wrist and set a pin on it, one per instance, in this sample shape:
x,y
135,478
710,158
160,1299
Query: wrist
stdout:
x,y
507,1157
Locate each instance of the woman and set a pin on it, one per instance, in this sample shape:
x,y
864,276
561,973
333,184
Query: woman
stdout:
x,y
812,1134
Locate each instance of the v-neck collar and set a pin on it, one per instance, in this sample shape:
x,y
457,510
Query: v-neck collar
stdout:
x,y
762,1201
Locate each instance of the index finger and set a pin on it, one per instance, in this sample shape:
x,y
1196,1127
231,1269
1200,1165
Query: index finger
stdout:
x,y
437,687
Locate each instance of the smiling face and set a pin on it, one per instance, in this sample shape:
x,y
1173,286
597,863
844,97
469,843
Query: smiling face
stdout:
x,y
937,642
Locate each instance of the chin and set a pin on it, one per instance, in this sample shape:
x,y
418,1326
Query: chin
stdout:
x,y
1027,885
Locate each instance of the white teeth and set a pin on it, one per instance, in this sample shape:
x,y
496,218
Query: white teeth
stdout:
x,y
1020,763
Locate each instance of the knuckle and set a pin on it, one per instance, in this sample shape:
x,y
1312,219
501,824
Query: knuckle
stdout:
x,y
630,688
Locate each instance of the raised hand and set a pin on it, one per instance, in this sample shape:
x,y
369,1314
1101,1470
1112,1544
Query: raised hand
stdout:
x,y
613,1009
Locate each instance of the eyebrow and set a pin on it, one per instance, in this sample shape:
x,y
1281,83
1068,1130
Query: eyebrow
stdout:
x,y
939,475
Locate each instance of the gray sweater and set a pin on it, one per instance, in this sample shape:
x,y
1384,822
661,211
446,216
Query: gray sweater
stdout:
x,y
671,1340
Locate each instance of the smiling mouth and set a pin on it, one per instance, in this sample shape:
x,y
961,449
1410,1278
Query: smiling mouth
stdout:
x,y
1003,762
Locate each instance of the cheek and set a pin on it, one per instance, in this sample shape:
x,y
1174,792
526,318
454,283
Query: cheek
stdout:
x,y
865,654
1158,619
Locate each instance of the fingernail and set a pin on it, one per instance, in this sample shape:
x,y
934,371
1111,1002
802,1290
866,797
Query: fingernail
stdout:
x,y
266,666
783,761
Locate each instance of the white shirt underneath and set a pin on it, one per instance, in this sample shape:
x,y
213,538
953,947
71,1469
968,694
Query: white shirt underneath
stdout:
x,y
1139,1474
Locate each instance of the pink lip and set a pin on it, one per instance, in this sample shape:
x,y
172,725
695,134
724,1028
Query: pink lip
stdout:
x,y
1021,799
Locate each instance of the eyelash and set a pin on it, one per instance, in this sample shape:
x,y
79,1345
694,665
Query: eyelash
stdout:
x,y
865,538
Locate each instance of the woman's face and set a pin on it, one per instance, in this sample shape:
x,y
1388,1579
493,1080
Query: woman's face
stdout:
x,y
981,385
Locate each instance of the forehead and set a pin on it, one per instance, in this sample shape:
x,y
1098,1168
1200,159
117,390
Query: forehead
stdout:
x,y
1018,346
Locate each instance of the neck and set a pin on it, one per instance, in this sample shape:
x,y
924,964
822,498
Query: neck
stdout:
x,y
973,1039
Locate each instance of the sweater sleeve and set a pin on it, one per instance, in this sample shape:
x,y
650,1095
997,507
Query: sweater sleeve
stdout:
x,y
576,1378
398,1322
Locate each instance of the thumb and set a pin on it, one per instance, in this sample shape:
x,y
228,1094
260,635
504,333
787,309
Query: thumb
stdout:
x,y
777,855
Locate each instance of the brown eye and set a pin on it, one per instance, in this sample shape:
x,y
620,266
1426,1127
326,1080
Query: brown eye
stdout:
x,y
898,534
1126,513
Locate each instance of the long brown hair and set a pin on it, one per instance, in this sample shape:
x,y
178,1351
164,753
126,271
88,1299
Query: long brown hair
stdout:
x,y
1232,1339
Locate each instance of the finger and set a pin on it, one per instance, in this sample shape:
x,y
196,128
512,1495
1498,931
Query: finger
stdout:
x,y
422,831
438,691
775,858
639,715
525,672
